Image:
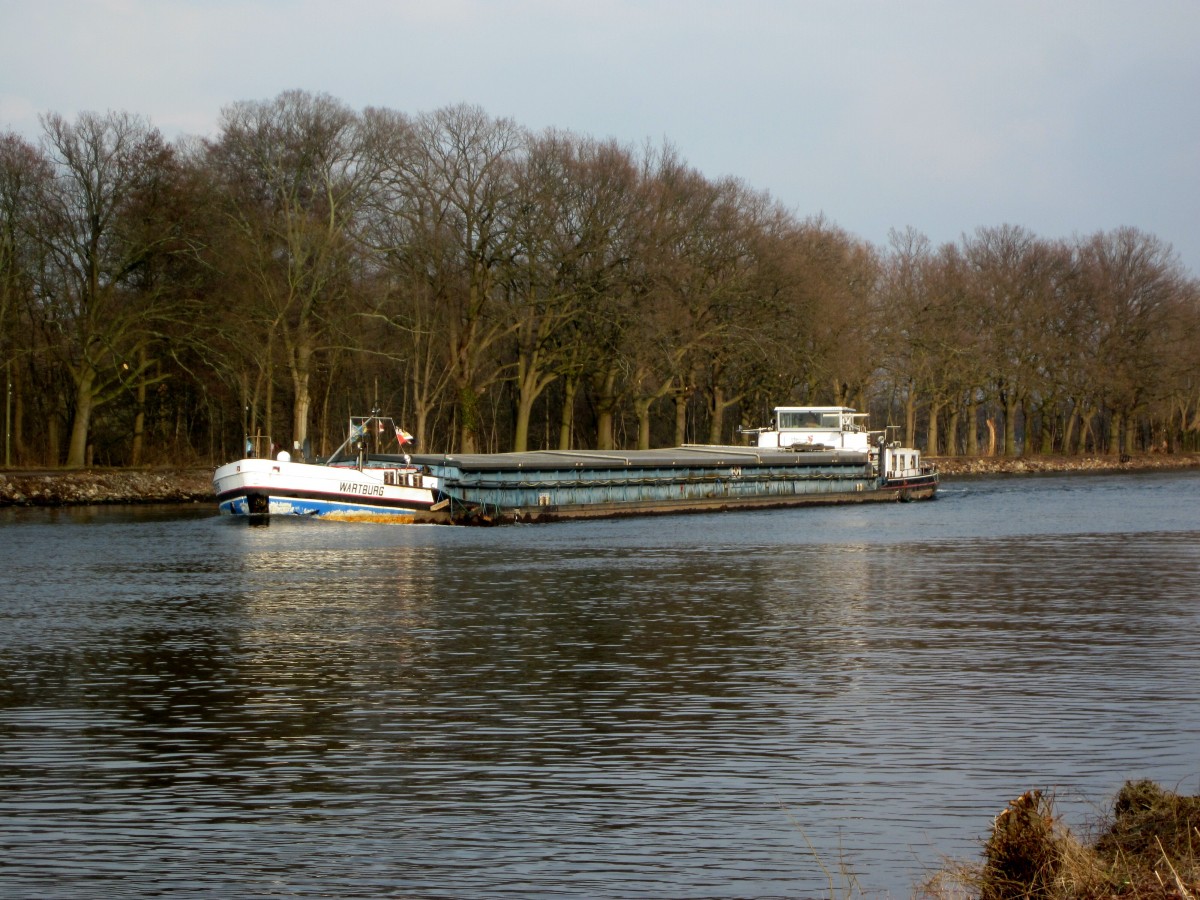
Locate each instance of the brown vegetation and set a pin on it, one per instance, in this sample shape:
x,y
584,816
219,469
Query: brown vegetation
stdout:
x,y
1147,849
499,289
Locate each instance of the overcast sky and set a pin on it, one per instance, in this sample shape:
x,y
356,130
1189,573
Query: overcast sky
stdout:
x,y
1063,116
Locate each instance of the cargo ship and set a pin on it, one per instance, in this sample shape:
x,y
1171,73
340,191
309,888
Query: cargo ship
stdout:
x,y
809,455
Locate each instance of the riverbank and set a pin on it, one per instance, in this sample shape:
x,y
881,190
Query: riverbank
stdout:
x,y
954,466
81,487
85,487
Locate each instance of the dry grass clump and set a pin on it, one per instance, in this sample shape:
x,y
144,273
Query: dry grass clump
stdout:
x,y
1025,853
1149,849
1153,841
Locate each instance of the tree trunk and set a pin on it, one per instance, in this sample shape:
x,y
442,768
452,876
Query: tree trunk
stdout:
x,y
641,407
321,446
910,419
716,414
951,448
606,404
1069,434
1047,425
1086,430
972,427
139,428
566,416
840,389
1114,434
931,434
18,419
77,449
301,374
421,378
681,405
139,418
521,429
531,382
1033,429
1010,426
468,422
269,402
421,415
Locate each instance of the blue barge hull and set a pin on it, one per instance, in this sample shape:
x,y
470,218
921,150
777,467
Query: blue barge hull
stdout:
x,y
549,485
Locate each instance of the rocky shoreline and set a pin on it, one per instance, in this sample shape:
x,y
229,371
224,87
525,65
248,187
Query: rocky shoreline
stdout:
x,y
956,466
83,487
86,487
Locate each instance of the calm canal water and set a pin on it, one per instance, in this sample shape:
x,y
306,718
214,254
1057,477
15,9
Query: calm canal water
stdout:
x,y
728,705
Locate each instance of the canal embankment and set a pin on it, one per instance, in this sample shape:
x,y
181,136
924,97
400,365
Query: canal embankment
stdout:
x,y
85,487
957,466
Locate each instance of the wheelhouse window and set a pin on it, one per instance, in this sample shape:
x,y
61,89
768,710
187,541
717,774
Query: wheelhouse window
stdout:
x,y
791,420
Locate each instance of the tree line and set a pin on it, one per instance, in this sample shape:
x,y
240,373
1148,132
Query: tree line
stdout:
x,y
497,289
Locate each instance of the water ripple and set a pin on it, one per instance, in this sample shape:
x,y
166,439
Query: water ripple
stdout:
x,y
658,708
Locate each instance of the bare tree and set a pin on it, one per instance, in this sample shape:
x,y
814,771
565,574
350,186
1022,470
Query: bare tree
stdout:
x,y
408,261
1181,406
24,172
90,228
294,173
697,252
1009,278
576,199
459,181
1132,280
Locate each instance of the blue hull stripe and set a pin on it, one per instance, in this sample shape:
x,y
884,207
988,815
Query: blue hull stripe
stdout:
x,y
307,506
